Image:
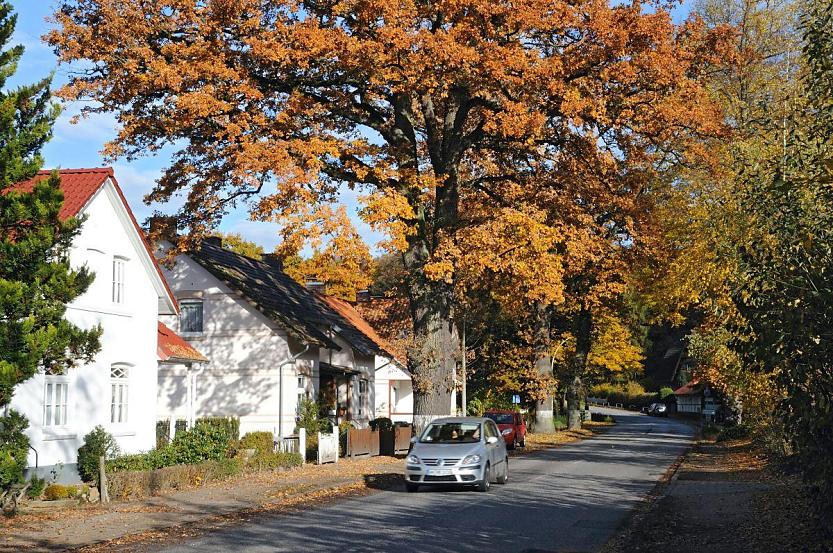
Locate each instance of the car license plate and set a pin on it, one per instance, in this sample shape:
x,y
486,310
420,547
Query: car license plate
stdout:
x,y
439,472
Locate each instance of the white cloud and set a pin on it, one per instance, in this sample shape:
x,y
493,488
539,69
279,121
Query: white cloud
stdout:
x,y
97,128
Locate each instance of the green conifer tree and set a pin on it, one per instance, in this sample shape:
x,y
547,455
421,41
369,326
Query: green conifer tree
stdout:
x,y
36,279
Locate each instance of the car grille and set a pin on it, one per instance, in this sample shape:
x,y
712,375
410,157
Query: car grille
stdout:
x,y
440,462
450,478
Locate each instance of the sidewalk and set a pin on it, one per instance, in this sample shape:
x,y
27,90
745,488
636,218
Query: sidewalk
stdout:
x,y
77,526
725,497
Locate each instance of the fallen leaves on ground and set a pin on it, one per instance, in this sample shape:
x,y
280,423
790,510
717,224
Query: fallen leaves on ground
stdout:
x,y
744,505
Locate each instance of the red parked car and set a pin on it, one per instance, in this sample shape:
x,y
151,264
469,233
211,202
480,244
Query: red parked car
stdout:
x,y
511,425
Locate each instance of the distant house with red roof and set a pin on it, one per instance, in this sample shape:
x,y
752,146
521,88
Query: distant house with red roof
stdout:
x,y
698,398
127,297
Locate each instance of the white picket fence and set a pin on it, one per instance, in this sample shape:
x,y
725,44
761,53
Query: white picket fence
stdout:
x,y
296,443
328,447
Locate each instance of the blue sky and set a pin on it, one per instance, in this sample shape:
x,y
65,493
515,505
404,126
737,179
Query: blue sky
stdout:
x,y
80,145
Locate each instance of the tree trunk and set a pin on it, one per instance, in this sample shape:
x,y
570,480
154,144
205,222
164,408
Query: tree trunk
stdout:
x,y
542,420
432,357
583,330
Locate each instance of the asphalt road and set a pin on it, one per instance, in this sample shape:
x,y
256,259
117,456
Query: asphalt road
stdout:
x,y
568,499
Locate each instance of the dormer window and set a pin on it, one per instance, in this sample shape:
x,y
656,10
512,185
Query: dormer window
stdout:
x,y
118,279
190,316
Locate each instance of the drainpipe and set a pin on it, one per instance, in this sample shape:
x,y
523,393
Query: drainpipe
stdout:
x,y
188,394
290,361
192,408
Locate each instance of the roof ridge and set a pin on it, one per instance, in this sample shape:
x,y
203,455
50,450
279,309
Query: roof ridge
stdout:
x,y
108,170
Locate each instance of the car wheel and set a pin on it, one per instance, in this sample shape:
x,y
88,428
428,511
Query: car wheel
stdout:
x,y
523,441
504,478
486,483
411,487
514,444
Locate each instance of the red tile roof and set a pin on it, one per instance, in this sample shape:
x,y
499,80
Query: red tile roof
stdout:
x,y
349,312
171,347
79,186
689,389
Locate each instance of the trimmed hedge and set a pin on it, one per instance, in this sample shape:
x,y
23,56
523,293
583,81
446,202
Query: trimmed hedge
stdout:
x,y
274,460
143,483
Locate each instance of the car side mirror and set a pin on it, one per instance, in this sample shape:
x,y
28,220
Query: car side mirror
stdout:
x,y
491,440
413,440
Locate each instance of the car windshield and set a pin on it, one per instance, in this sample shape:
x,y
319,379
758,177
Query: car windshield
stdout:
x,y
451,433
500,418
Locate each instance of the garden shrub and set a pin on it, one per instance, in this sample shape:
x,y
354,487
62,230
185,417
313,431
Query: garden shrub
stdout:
x,y
97,443
381,423
665,392
560,422
54,492
229,426
310,420
263,442
36,487
205,442
14,448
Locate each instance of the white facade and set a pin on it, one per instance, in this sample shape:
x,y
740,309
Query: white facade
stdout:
x,y
394,392
115,389
255,369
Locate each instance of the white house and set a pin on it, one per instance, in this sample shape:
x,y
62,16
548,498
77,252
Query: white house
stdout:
x,y
270,343
394,396
394,391
126,299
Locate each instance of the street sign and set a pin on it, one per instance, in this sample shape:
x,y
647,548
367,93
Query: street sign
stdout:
x,y
516,399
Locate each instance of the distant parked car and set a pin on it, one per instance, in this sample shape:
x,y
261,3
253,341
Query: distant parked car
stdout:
x,y
462,450
658,410
511,425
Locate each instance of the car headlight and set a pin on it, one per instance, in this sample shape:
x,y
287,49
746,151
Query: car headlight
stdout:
x,y
506,432
413,459
471,460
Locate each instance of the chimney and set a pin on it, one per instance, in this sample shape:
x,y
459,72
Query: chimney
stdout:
x,y
273,261
163,227
214,241
316,286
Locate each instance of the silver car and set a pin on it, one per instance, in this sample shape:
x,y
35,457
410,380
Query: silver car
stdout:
x,y
461,450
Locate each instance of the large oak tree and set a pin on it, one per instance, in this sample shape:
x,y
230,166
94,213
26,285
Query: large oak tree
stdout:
x,y
419,104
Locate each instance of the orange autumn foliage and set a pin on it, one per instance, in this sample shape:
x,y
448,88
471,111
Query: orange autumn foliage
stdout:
x,y
340,259
459,120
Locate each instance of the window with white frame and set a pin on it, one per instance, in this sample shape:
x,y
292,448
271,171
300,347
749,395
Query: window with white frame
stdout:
x,y
56,391
119,379
190,316
302,393
119,264
362,396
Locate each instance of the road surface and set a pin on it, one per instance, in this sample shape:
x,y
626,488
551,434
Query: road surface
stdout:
x,y
568,499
